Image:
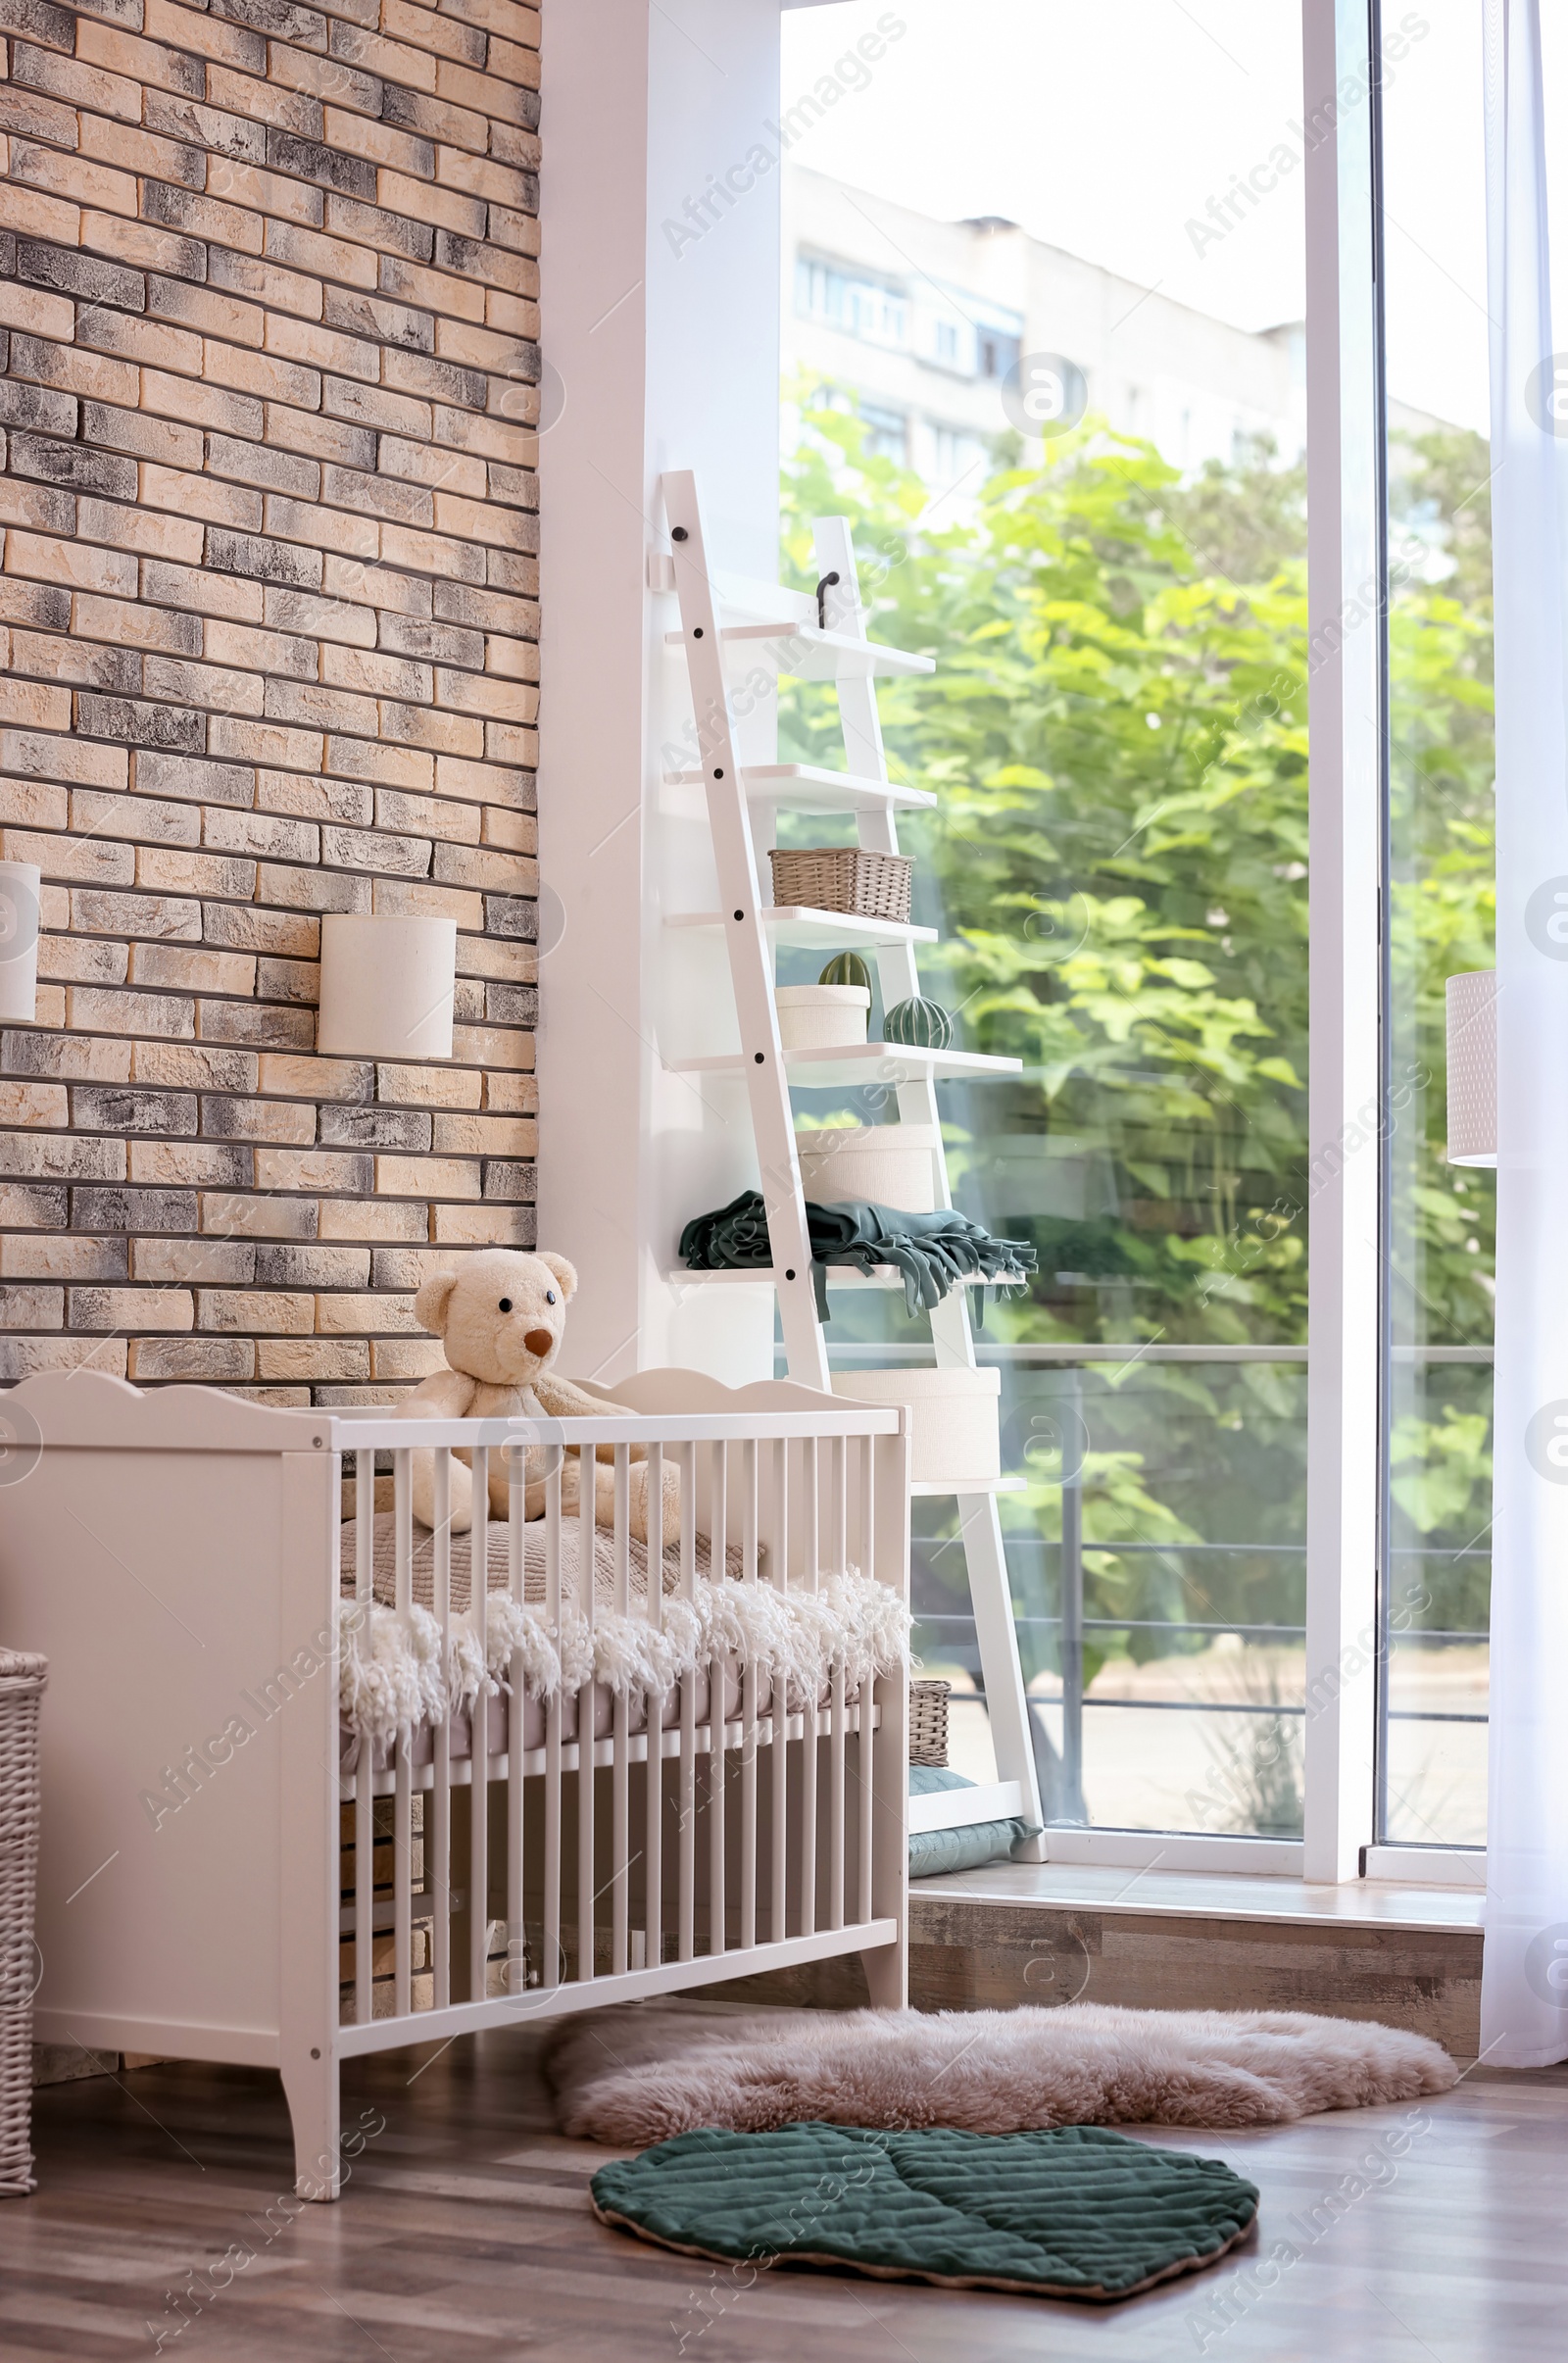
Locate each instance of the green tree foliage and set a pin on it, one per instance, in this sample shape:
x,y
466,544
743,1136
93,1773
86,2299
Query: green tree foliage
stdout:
x,y
1117,734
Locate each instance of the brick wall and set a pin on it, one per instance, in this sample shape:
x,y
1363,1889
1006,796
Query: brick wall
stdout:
x,y
268,626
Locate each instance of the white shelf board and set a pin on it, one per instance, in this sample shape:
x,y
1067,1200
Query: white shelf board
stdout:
x,y
958,1808
864,1062
799,925
807,788
839,1275
928,1488
805,652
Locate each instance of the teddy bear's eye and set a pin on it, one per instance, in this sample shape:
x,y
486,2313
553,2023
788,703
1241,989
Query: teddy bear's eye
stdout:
x,y
505,1305
550,1296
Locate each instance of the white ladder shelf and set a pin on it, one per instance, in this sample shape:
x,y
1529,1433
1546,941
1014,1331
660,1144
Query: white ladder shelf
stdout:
x,y
837,649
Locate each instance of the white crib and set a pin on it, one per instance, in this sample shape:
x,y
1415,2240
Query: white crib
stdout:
x,y
177,1556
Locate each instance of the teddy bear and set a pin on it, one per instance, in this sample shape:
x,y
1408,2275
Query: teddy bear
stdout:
x,y
500,1317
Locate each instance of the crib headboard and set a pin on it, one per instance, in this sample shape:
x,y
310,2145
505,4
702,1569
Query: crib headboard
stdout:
x,y
170,1555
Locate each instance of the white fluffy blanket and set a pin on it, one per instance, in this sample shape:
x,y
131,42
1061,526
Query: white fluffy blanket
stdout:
x,y
393,1678
637,2074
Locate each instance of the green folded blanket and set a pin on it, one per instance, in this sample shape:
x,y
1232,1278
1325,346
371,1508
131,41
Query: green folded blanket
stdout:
x,y
933,1251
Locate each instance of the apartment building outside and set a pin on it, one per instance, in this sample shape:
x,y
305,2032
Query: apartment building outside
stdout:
x,y
921,320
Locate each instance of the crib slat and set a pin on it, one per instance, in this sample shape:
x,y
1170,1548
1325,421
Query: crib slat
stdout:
x,y
838,1528
779,1756
866,1802
480,1738
750,1536
438,1810
363,1527
716,1761
402,1794
749,1695
867,1794
621,1768
835,1800
586,1492
717,1687
838,1504
748,1906
810,1511
402,1530
718,1512
686,1789
364,1805
653,1727
550,1964
517,1973
402,1882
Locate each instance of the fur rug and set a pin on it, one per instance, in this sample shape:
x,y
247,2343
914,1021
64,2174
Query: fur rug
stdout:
x,y
637,2074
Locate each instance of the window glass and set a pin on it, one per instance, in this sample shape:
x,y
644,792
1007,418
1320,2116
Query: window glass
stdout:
x,y
1098,530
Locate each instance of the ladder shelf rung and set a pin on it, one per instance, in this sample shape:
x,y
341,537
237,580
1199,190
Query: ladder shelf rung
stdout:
x,y
928,1488
839,1275
809,788
792,924
807,653
890,1063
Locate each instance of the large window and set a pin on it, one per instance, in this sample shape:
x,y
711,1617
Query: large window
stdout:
x,y
1116,733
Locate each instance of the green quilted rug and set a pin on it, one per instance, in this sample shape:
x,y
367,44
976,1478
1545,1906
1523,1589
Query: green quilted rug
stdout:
x,y
1076,2212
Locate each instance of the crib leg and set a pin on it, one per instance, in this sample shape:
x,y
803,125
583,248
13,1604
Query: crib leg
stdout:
x,y
310,2088
887,1974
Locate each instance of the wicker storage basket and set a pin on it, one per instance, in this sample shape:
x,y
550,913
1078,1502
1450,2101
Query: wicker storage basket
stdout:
x,y
22,1681
843,877
928,1722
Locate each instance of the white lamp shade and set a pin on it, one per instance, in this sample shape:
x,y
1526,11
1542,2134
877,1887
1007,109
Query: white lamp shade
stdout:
x,y
1473,1068
387,987
21,885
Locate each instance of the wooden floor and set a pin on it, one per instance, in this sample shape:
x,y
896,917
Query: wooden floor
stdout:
x,y
465,2232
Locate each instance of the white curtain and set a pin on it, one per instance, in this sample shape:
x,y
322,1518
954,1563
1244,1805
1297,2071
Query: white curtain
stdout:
x,y
1523,2009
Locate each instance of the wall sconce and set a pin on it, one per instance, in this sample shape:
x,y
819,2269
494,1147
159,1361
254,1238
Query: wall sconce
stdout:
x,y
387,987
21,888
1473,1068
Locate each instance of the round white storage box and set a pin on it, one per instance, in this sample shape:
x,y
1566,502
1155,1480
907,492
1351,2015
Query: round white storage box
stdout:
x,y
888,1165
953,1433
822,1017
387,987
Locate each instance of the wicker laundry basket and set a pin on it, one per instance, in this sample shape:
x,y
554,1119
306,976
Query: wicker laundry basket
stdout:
x,y
928,1722
843,877
22,1681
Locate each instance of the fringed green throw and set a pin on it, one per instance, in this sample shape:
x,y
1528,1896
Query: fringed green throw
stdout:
x,y
934,1252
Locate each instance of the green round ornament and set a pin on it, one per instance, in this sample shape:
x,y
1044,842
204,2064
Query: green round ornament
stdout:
x,y
846,968
919,1026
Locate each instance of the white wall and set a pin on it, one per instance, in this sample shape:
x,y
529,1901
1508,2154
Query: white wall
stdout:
x,y
666,359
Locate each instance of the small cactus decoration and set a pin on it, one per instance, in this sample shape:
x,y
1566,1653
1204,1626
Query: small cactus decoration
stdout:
x,y
919,1026
847,969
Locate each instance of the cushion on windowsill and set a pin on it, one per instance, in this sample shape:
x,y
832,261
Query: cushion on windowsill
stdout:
x,y
937,1853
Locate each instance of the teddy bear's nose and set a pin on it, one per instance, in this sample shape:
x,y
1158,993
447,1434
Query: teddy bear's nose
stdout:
x,y
539,1341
